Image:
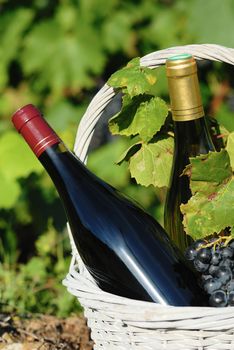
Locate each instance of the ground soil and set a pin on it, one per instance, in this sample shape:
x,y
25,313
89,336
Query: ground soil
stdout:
x,y
44,333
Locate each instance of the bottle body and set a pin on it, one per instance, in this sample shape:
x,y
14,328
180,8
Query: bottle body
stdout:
x,y
126,251
191,138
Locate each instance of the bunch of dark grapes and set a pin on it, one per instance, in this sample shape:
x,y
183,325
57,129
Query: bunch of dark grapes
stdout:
x,y
215,263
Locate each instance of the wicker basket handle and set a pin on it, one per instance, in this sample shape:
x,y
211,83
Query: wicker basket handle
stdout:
x,y
155,59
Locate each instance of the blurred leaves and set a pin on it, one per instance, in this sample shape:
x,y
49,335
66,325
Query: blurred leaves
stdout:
x,y
101,162
20,163
12,28
225,117
74,48
209,22
34,288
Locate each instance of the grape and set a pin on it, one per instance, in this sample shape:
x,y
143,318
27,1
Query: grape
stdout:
x,y
213,269
204,278
200,266
211,285
204,255
230,286
190,253
227,263
216,258
197,244
231,298
218,298
224,274
227,252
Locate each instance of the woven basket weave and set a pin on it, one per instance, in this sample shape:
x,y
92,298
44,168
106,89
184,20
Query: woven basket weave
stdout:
x,y
119,323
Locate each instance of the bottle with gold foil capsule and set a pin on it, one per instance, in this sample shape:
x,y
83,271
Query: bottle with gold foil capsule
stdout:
x,y
191,138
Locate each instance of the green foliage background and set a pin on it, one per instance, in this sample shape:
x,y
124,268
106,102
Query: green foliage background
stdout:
x,y
57,54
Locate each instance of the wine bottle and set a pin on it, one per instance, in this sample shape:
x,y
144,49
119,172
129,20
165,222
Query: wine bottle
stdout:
x,y
191,138
126,251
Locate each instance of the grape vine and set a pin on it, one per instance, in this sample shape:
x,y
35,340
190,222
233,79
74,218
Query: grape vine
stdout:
x,y
145,118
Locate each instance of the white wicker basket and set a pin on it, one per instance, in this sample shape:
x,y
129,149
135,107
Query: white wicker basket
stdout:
x,y
119,323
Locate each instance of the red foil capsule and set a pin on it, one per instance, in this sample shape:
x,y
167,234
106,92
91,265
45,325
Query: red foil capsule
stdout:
x,y
33,127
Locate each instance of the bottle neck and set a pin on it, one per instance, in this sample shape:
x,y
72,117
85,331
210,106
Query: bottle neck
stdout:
x,y
193,137
184,91
189,130
46,144
58,160
185,97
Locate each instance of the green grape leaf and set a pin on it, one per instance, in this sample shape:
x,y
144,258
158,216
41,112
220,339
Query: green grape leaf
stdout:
x,y
211,168
209,209
117,32
136,80
16,160
12,26
152,163
143,116
68,55
202,22
230,148
206,214
128,153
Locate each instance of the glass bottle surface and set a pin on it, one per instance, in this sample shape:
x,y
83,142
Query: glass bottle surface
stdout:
x,y
191,138
126,251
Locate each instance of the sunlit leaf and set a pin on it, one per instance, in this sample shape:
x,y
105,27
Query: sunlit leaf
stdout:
x,y
230,148
209,210
143,115
152,163
136,79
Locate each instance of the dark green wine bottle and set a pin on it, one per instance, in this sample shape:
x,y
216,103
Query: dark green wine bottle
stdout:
x,y
191,137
